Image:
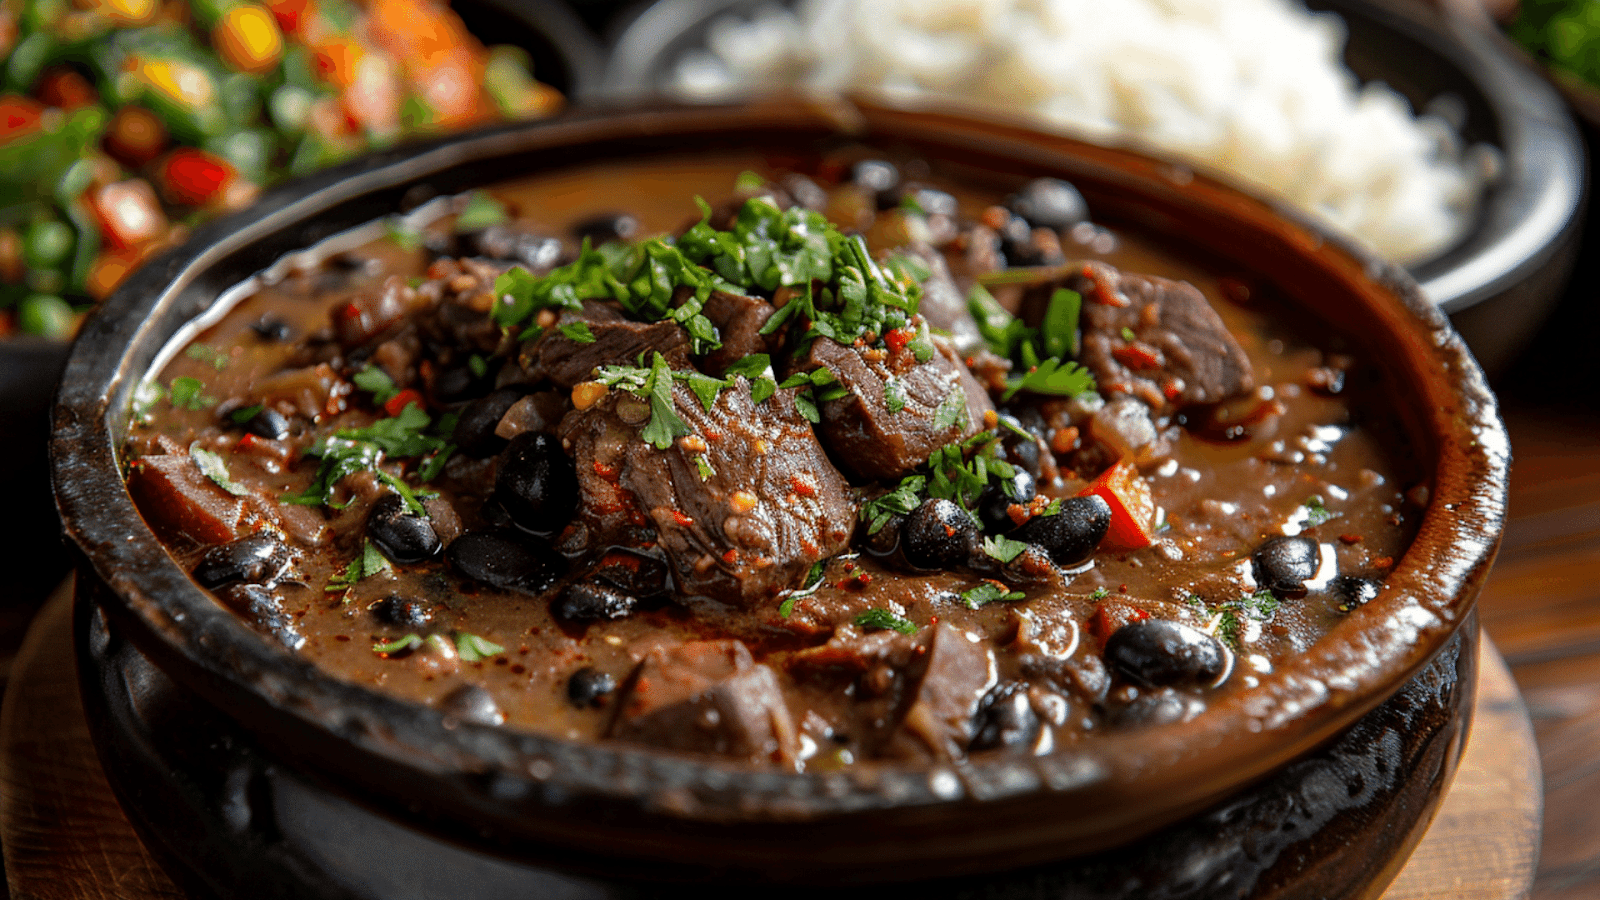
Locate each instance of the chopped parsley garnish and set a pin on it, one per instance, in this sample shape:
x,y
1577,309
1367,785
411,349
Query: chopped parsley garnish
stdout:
x,y
894,395
655,386
1316,513
477,365
472,648
812,584
145,398
1042,355
998,546
402,235
988,592
370,561
189,393
1229,618
1099,593
398,646
757,369
216,359
244,414
882,618
481,211
214,467
816,386
352,450
376,382
703,466
906,497
748,181
578,332
1128,335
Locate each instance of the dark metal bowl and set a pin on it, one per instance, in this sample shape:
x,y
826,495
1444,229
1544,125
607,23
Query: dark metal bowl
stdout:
x,y
1498,283
610,806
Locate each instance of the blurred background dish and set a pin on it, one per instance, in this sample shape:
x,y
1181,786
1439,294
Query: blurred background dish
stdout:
x,y
101,201
1497,274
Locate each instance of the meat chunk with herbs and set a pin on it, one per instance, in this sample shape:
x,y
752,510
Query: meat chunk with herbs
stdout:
x,y
739,320
888,410
598,335
742,499
706,697
1151,338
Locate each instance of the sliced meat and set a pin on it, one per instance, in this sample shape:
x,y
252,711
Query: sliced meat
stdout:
x,y
180,500
706,697
1180,353
938,717
742,506
869,441
617,341
738,319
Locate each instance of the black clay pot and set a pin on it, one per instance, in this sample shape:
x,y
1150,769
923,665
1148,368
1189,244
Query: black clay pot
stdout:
x,y
612,807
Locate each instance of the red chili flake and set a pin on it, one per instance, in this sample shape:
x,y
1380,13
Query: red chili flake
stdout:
x,y
897,339
712,434
1018,514
342,638
246,441
681,519
398,403
1136,356
865,578
1139,614
933,620
625,560
811,548
731,557
1384,562
1171,391
606,471
802,486
1350,538
1100,624
849,567
519,669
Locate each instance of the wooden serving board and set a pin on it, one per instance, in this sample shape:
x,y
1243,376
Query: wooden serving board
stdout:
x,y
65,838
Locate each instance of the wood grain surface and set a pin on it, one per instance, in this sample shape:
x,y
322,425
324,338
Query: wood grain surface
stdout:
x,y
65,838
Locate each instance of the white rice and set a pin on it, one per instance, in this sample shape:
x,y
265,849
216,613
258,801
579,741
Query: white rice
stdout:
x,y
1255,88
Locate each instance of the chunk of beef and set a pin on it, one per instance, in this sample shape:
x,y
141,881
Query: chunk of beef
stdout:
x,y
934,704
942,402
738,319
706,697
179,499
742,505
617,341
1180,354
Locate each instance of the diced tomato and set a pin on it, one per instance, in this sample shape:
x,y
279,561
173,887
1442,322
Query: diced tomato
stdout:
x,y
1136,357
192,177
18,116
897,339
1133,510
292,15
398,403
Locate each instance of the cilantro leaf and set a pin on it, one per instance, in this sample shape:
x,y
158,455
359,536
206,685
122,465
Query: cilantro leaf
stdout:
x,y
472,648
244,414
988,592
578,332
881,618
1000,547
1053,377
481,211
398,646
369,562
894,394
189,393
214,467
376,382
1316,513
1059,330
906,496
213,357
951,409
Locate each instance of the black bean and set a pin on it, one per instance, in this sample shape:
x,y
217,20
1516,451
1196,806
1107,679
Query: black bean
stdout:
x,y
474,433
1072,535
505,560
1020,441
632,573
264,610
458,383
537,483
1005,718
588,686
258,559
587,602
268,423
996,500
1162,706
1353,591
403,612
472,703
1163,653
399,533
273,329
1049,203
882,178
606,227
938,535
881,543
1283,564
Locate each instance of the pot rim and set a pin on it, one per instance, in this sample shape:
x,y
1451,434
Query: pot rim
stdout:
x,y
507,774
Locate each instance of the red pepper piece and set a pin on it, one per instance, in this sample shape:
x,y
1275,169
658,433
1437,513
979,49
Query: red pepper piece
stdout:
x,y
192,177
1133,510
18,116
398,403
